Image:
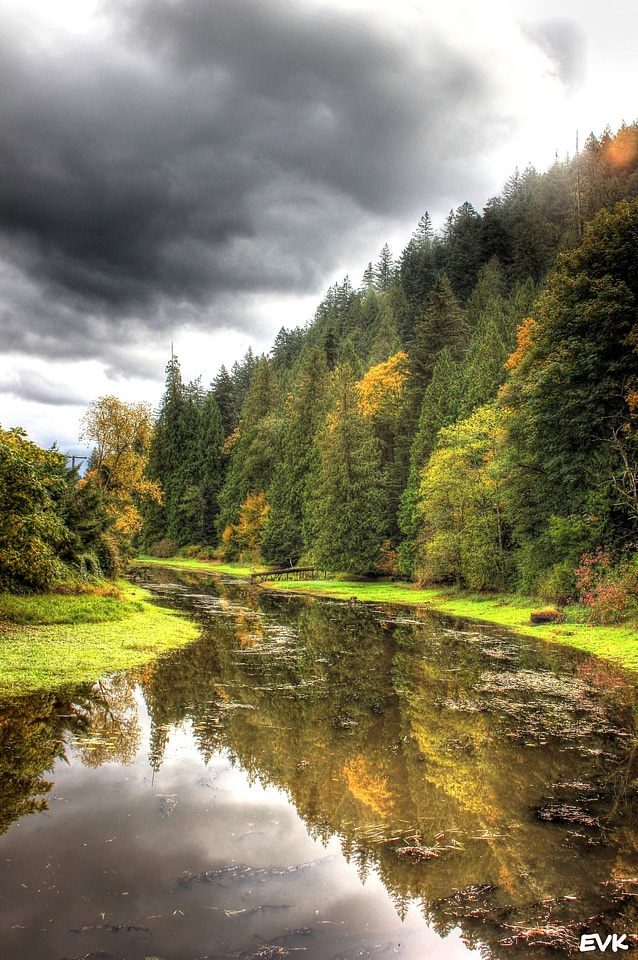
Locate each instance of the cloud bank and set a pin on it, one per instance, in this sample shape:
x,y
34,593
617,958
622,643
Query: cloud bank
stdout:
x,y
201,153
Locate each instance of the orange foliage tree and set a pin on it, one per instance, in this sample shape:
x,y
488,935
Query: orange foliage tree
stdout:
x,y
121,433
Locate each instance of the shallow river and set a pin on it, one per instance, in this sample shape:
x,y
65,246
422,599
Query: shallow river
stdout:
x,y
325,780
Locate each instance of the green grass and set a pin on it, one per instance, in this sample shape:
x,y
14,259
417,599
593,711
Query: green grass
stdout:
x,y
212,566
618,642
72,639
56,608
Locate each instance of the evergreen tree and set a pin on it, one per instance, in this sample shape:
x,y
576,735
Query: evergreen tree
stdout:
x,y
460,254
346,508
568,398
367,282
283,537
175,461
495,239
331,348
223,388
484,367
442,324
417,274
212,465
286,349
484,363
439,408
384,269
242,376
253,447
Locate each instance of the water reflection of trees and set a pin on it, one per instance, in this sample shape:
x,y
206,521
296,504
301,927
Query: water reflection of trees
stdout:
x,y
97,722
393,735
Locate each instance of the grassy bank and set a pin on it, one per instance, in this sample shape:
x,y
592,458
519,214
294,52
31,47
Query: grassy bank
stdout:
x,y
618,643
49,640
207,566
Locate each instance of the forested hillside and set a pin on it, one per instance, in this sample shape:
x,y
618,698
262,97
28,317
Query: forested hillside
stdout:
x,y
467,414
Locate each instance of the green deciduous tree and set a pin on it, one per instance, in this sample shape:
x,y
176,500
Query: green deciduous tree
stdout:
x,y
464,532
32,532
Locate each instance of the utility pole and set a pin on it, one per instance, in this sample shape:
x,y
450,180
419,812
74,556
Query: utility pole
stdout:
x,y
580,222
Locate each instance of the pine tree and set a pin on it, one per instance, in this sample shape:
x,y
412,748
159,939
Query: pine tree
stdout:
x,y
253,447
175,462
484,362
384,269
223,389
442,324
346,508
368,278
283,538
460,254
568,399
417,274
484,367
439,408
212,466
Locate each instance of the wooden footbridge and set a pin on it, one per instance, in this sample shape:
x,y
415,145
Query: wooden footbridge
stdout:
x,y
286,573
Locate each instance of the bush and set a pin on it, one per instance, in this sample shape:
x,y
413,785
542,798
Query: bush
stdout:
x,y
191,552
557,585
607,586
109,556
208,553
164,549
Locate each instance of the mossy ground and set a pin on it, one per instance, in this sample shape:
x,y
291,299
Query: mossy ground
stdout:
x,y
618,642
51,640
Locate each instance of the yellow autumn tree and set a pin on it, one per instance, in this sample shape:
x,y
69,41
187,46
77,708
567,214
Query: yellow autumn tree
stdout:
x,y
121,433
381,389
242,539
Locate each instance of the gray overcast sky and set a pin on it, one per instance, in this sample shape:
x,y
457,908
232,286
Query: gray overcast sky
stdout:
x,y
200,171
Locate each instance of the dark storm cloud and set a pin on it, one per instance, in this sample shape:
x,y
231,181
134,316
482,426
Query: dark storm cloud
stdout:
x,y
208,148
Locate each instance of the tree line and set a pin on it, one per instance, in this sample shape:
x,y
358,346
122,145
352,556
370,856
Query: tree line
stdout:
x,y
466,415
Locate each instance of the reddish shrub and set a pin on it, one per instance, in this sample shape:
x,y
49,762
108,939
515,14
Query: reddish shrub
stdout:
x,y
608,587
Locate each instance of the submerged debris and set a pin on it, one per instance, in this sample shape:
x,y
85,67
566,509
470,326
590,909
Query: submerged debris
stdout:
x,y
242,871
567,813
418,853
167,805
552,935
267,952
474,902
619,887
96,955
112,928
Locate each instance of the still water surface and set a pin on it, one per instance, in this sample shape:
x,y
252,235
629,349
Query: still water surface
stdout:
x,y
322,780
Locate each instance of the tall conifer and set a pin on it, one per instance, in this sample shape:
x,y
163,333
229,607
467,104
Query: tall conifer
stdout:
x,y
346,508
